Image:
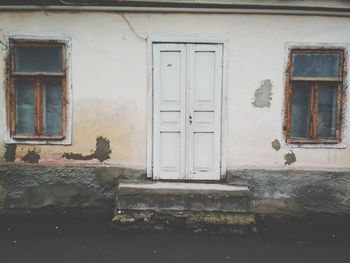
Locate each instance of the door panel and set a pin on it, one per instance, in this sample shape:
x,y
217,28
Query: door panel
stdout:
x,y
204,108
204,79
187,111
170,144
170,79
203,144
169,111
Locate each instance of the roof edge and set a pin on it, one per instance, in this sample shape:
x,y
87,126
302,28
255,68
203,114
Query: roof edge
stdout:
x,y
268,7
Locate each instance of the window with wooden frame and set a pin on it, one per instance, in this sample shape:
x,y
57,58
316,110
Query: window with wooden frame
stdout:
x,y
37,90
314,95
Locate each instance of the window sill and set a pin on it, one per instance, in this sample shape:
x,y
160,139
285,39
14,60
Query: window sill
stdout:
x,y
306,141
25,137
315,145
42,140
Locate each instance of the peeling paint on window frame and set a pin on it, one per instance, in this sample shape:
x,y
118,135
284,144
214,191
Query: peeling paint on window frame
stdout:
x,y
66,137
341,97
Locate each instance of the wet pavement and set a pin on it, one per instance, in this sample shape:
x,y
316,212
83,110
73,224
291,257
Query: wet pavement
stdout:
x,y
52,240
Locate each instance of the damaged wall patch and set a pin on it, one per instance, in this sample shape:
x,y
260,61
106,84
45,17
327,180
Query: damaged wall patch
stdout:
x,y
31,157
276,145
263,95
102,151
289,158
10,152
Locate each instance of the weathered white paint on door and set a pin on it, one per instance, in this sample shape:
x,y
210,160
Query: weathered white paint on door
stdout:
x,y
187,80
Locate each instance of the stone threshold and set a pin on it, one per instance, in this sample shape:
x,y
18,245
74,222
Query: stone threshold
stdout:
x,y
181,188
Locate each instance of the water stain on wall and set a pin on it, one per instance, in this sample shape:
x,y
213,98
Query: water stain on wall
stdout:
x,y
263,95
102,151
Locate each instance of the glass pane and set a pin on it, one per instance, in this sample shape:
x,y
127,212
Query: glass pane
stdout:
x,y
300,122
315,65
52,90
38,59
24,106
327,111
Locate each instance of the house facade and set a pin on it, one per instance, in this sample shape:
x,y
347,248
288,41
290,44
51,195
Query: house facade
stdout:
x,y
249,93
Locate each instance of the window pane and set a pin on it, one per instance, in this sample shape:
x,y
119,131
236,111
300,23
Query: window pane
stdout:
x,y
24,106
38,59
300,110
315,65
52,90
327,111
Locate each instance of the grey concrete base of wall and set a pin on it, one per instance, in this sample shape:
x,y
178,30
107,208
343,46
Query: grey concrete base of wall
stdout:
x,y
39,189
49,189
296,192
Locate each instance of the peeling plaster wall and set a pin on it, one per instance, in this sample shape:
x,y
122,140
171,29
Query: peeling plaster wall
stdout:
x,y
110,80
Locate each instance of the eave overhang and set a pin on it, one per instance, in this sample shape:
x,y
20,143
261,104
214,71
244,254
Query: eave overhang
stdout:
x,y
335,7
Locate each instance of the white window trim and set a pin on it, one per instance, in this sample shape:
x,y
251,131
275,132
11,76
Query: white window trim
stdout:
x,y
69,108
346,107
179,39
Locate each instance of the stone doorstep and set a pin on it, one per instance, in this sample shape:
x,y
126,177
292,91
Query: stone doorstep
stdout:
x,y
195,203
169,205
177,188
198,197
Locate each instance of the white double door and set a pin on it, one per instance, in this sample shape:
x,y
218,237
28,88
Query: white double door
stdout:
x,y
187,99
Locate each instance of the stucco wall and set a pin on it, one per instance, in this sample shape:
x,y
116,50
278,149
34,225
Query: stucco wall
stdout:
x,y
110,80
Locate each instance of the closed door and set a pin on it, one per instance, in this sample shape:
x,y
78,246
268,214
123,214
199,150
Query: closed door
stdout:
x,y
187,90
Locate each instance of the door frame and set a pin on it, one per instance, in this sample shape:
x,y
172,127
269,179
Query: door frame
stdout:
x,y
154,39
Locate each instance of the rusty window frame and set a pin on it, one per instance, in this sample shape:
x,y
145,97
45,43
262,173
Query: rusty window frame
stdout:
x,y
314,81
37,78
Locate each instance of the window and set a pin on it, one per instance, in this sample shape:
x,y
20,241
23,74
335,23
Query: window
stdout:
x,y
37,90
314,96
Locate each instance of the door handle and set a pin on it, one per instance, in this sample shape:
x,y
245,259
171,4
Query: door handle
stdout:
x,y
190,119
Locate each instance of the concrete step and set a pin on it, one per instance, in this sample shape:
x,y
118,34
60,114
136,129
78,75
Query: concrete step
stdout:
x,y
198,205
198,197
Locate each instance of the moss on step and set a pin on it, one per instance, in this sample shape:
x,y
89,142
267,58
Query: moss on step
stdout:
x,y
213,222
222,219
124,218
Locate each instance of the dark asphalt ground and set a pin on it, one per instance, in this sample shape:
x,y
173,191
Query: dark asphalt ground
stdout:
x,y
48,240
